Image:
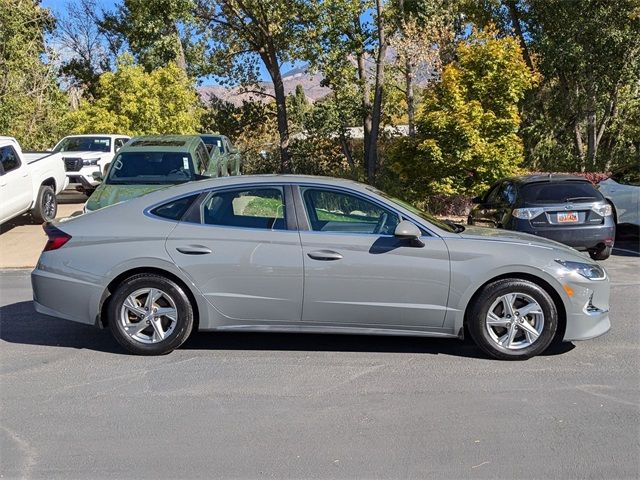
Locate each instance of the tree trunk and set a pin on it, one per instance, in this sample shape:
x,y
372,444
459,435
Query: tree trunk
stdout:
x,y
409,81
270,60
592,145
372,161
515,23
366,105
577,139
180,58
411,102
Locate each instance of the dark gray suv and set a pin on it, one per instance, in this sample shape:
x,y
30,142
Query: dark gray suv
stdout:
x,y
564,208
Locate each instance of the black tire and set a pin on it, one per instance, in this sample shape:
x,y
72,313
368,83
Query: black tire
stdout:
x,y
601,254
183,323
479,330
46,207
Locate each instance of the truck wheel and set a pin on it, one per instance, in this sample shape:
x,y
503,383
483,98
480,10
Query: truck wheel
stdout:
x,y
46,206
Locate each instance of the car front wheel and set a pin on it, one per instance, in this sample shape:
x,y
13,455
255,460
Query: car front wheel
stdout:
x,y
513,319
150,315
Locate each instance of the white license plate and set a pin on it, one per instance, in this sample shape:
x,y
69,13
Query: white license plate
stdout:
x,y
567,217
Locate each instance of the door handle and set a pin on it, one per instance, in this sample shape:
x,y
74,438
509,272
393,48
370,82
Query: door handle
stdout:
x,y
324,255
194,250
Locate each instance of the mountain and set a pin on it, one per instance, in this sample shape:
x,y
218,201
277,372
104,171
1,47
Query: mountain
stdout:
x,y
299,76
310,84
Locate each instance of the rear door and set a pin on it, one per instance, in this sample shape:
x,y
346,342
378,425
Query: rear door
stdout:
x,y
357,274
241,248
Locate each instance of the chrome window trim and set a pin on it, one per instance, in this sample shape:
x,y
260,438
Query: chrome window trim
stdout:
x,y
405,216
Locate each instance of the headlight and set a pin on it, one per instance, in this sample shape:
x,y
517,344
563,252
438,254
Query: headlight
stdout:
x,y
603,210
93,161
587,270
527,213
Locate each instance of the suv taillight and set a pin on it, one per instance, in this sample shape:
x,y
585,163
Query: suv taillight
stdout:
x,y
57,238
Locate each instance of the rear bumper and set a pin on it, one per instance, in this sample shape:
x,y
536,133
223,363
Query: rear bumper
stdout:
x,y
64,297
580,237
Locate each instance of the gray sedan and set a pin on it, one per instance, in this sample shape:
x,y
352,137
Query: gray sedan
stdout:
x,y
307,254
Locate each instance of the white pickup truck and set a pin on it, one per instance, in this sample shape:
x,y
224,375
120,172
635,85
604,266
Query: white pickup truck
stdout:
x,y
29,185
84,155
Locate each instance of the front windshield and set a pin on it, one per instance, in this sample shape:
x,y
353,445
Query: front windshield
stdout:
x,y
420,213
84,144
150,168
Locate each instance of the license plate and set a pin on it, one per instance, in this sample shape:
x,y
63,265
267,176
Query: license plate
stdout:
x,y
567,217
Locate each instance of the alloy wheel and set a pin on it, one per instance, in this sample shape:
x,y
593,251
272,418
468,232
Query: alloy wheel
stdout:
x,y
149,315
515,321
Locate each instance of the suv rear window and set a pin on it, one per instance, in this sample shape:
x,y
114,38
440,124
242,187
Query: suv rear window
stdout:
x,y
140,168
560,192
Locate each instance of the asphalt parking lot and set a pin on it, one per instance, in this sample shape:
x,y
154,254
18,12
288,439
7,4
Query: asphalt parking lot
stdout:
x,y
74,405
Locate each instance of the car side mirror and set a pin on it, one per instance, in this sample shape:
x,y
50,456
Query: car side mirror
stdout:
x,y
476,200
97,176
407,230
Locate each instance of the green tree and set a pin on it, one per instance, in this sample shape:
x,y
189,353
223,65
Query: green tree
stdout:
x,y
468,125
349,47
589,56
156,32
241,34
135,102
31,103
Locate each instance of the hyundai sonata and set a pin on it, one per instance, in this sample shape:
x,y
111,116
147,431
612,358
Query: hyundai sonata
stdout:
x,y
308,254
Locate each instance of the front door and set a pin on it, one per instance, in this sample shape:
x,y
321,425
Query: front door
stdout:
x,y
240,251
358,274
15,184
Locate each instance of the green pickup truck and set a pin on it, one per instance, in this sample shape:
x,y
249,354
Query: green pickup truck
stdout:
x,y
149,163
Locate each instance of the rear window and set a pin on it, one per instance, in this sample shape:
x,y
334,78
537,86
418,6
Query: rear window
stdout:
x,y
560,192
146,168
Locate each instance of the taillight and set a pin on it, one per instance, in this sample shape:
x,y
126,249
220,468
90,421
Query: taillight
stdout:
x,y
57,238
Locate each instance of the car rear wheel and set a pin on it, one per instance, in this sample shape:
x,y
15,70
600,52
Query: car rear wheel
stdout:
x,y
150,315
513,319
46,206
601,254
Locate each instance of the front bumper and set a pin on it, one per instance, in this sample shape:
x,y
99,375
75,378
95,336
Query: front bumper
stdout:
x,y
84,177
587,307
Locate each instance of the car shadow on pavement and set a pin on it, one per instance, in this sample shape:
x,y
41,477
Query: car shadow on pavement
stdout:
x,y
21,324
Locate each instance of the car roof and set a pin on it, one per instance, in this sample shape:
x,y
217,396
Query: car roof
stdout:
x,y
546,178
118,135
240,180
163,143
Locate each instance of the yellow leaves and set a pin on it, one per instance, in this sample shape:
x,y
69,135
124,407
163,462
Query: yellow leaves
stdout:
x,y
132,101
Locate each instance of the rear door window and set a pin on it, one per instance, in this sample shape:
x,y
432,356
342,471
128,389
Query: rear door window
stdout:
x,y
560,192
246,208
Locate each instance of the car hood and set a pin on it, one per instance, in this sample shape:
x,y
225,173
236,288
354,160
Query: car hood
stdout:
x,y
106,195
87,154
509,236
